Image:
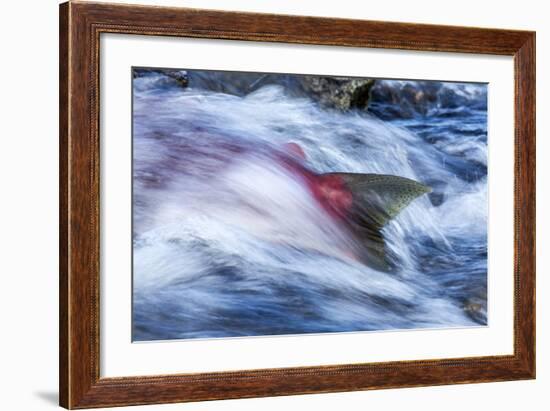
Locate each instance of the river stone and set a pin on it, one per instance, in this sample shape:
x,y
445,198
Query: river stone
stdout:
x,y
337,92
180,76
330,92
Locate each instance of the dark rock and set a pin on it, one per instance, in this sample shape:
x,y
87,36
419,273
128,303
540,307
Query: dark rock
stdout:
x,y
330,92
337,92
180,76
476,309
436,198
409,98
235,83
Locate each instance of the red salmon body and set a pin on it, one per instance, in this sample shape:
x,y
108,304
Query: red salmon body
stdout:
x,y
330,191
332,194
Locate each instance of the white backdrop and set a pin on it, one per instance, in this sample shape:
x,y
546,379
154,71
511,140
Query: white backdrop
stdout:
x,y
119,357
28,166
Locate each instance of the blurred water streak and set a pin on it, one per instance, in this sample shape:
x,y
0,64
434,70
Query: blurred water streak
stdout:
x,y
227,243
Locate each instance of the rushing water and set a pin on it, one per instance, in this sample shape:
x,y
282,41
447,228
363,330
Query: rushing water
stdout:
x,y
227,243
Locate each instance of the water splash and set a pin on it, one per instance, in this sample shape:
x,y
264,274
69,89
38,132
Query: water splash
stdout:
x,y
228,243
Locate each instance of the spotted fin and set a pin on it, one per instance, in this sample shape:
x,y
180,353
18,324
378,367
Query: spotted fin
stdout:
x,y
376,199
381,197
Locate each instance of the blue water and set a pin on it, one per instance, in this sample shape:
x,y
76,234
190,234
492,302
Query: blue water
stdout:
x,y
226,243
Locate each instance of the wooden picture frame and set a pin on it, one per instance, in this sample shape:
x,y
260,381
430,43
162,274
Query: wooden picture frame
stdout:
x,y
80,27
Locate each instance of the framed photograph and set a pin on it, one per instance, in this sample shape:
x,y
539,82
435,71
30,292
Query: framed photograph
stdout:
x,y
259,205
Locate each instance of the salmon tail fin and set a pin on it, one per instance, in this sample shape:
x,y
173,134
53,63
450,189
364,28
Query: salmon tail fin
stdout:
x,y
381,197
376,199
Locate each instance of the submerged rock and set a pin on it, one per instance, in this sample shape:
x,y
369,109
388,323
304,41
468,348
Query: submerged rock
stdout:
x,y
386,98
476,309
339,93
180,76
406,99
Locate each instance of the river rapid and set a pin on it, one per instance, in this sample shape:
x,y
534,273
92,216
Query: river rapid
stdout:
x,y
226,243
